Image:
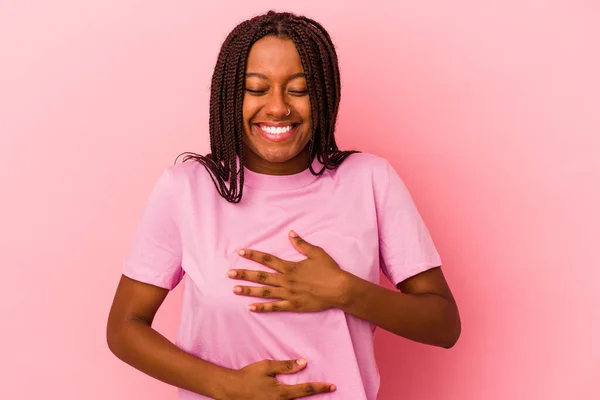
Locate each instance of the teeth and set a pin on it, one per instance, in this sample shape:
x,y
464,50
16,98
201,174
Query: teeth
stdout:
x,y
276,130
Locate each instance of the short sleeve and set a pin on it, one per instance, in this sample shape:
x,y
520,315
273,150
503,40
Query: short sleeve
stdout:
x,y
405,245
155,256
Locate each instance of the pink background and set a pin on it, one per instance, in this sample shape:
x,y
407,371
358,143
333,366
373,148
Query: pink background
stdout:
x,y
489,110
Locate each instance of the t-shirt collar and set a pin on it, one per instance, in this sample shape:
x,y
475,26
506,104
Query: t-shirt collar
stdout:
x,y
281,182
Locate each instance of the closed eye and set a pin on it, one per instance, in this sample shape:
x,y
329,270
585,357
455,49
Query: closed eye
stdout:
x,y
255,92
291,92
298,92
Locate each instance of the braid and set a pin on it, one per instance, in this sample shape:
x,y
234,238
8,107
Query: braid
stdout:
x,y
320,63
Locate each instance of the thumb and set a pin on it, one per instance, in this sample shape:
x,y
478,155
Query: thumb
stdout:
x,y
287,366
301,245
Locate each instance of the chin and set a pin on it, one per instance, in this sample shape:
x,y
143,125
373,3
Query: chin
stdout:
x,y
277,157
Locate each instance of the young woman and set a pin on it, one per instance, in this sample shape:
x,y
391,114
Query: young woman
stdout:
x,y
280,238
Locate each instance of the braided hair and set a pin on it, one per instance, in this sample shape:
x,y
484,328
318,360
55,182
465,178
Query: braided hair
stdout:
x,y
320,63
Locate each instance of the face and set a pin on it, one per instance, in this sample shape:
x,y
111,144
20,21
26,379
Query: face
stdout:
x,y
275,143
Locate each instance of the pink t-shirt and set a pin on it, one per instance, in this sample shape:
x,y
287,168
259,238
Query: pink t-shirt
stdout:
x,y
361,214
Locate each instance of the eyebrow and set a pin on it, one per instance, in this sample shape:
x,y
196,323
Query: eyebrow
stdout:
x,y
262,76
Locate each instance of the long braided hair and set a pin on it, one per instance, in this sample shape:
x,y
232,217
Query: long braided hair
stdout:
x,y
320,64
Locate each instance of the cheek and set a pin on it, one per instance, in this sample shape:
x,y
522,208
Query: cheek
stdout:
x,y
302,107
245,113
249,108
307,115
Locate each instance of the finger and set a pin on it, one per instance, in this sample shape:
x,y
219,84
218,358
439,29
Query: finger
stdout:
x,y
266,259
266,278
307,389
275,367
265,292
273,306
302,245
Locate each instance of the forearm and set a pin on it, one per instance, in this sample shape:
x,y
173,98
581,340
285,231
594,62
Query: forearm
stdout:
x,y
139,345
425,318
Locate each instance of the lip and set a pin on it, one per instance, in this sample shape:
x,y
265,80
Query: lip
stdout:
x,y
277,124
276,137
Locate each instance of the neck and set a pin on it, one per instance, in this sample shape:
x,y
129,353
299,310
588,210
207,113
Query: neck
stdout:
x,y
261,166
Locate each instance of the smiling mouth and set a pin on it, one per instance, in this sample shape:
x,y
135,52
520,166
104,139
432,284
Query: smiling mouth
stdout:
x,y
276,130
277,133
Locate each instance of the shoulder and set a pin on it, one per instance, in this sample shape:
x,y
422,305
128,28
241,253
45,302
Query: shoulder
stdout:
x,y
370,170
185,179
187,172
365,164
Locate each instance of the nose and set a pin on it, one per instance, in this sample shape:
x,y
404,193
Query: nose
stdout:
x,y
276,106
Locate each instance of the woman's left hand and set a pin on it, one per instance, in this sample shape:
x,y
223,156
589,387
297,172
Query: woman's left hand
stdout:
x,y
311,285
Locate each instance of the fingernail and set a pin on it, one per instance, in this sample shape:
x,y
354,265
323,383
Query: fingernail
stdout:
x,y
301,361
232,273
252,308
293,234
333,388
242,253
237,290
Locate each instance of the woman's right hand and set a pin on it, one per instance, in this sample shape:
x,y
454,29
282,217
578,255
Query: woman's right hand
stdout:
x,y
258,381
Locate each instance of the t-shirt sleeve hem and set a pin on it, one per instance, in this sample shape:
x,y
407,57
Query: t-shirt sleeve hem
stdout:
x,y
165,282
410,271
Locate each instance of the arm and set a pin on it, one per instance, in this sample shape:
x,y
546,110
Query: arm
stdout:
x,y
132,339
425,311
156,258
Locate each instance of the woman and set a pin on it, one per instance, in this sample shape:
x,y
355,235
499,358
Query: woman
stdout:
x,y
279,237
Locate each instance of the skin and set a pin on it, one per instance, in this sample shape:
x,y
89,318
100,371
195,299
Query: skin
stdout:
x,y
423,311
275,82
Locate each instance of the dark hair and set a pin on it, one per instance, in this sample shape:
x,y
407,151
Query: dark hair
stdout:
x,y
320,64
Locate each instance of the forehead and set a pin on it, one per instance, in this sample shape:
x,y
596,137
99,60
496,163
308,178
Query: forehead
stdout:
x,y
274,56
